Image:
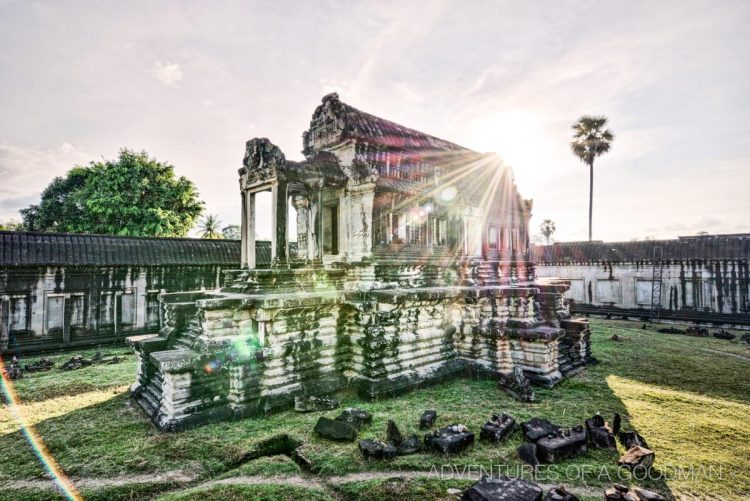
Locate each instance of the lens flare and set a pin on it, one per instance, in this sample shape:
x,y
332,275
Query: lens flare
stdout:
x,y
62,481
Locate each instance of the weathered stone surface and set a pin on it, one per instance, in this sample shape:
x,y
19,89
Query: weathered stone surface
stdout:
x,y
355,417
410,445
559,493
697,331
13,371
393,435
498,428
314,404
646,495
76,362
492,488
335,430
600,434
428,419
630,439
375,449
516,385
619,492
723,334
616,423
452,439
43,364
536,428
637,456
563,444
527,453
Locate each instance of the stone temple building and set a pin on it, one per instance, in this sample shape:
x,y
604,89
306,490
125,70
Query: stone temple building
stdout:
x,y
412,265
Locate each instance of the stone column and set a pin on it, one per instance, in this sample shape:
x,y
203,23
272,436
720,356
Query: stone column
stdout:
x,y
301,203
249,229
319,223
279,210
243,231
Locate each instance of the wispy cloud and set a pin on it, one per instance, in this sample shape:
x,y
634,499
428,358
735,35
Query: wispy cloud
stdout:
x,y
168,73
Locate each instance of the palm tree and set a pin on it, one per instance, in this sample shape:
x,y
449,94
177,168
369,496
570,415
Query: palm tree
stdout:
x,y
209,227
547,228
590,140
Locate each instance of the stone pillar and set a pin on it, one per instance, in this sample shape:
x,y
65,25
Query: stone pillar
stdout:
x,y
302,205
248,230
243,232
319,223
279,211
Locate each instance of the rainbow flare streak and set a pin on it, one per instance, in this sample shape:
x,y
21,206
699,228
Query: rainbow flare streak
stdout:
x,y
62,481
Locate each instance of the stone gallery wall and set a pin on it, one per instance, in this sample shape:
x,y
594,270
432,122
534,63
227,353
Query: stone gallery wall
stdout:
x,y
707,275
59,291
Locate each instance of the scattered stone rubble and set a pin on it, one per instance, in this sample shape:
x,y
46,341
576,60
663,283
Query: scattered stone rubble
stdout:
x,y
13,371
600,434
78,361
723,334
335,430
620,492
563,444
536,428
503,488
630,439
527,454
314,404
355,417
559,493
637,457
377,449
498,428
696,331
43,364
395,444
428,419
393,434
516,385
452,439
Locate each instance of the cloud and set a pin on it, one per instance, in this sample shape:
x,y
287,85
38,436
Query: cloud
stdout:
x,y
168,73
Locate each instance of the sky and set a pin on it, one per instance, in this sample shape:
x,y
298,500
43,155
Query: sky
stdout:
x,y
191,82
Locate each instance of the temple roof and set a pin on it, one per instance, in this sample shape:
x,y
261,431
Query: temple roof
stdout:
x,y
336,119
33,249
684,248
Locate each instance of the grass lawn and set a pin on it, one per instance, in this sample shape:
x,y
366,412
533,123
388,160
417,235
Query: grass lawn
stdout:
x,y
689,397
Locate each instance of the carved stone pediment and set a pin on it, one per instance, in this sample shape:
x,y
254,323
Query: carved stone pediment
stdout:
x,y
327,125
263,160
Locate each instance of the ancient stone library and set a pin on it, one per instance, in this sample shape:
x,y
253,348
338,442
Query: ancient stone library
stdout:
x,y
411,266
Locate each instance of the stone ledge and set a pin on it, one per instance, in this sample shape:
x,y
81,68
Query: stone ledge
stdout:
x,y
174,360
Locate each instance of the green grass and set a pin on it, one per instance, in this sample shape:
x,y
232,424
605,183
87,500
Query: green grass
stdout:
x,y
689,397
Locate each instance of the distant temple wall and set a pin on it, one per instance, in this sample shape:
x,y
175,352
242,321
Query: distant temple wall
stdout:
x,y
60,291
699,276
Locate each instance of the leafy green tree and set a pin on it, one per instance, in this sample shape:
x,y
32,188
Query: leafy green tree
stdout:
x,y
133,195
591,140
209,227
61,209
232,232
547,228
